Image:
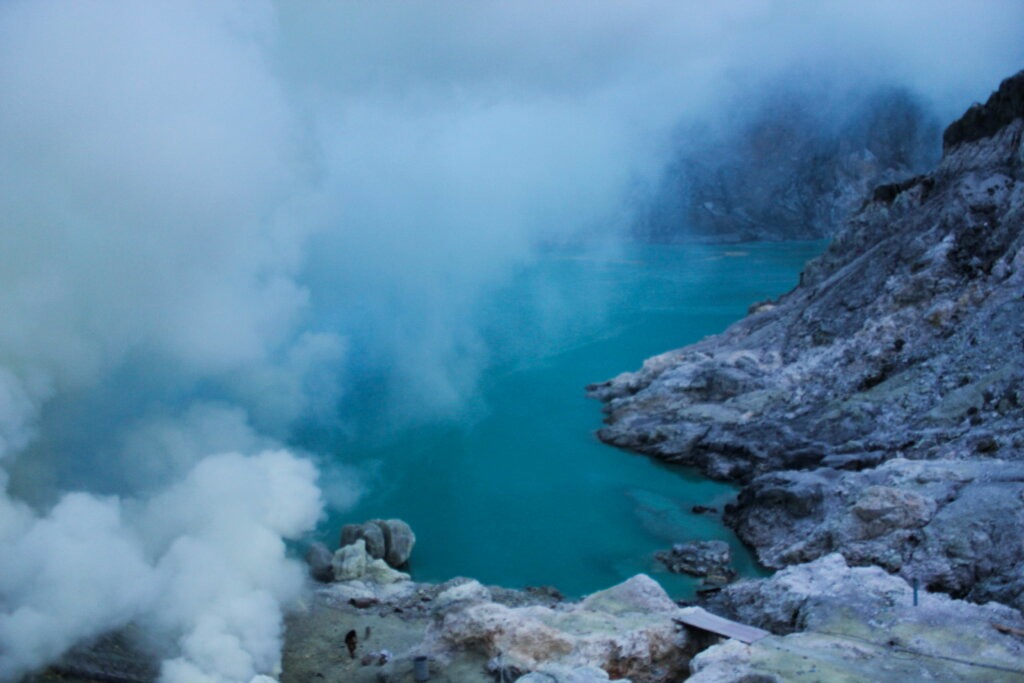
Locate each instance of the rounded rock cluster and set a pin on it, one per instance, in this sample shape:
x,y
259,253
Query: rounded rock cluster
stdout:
x,y
390,540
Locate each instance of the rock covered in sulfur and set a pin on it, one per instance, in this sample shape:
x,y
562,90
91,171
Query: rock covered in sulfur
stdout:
x,y
353,563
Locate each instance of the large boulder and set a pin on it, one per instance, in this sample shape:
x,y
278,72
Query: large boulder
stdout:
x,y
398,539
370,533
640,594
391,540
882,509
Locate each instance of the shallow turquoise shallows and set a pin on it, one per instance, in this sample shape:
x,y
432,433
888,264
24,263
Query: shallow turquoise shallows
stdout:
x,y
523,493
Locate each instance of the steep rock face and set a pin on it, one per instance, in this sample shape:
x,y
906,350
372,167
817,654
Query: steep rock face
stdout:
x,y
795,165
903,343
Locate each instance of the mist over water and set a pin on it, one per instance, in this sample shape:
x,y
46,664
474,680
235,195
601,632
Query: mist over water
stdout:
x,y
229,228
524,493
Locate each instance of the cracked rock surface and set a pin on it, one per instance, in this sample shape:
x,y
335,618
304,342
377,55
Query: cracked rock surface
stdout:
x,y
839,623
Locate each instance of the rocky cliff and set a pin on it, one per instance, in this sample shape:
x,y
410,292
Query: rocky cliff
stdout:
x,y
877,409
794,164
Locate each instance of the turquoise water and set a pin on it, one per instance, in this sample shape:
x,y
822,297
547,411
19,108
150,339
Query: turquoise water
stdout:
x,y
520,492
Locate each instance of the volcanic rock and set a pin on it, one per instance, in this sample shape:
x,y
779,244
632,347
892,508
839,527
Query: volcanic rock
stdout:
x,y
876,410
372,535
835,622
353,563
391,540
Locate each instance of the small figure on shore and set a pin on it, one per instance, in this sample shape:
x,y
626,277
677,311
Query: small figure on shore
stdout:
x,y
351,642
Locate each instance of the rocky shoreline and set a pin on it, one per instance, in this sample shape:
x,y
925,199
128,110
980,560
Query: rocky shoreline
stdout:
x,y
829,621
876,411
461,630
821,620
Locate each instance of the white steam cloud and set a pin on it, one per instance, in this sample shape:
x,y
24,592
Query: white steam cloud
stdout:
x,y
217,217
202,563
146,152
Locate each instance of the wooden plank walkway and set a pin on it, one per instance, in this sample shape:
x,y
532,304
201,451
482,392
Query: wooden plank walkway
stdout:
x,y
699,617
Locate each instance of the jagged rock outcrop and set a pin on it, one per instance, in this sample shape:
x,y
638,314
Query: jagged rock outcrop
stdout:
x,y
878,409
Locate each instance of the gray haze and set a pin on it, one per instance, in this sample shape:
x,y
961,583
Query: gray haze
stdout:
x,y
217,216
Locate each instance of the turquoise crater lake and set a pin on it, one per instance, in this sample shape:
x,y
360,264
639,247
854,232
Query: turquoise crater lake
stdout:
x,y
522,493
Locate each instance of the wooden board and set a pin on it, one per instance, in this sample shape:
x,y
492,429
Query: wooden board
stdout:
x,y
699,617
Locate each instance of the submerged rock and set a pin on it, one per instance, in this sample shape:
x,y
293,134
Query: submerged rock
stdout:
x,y
699,558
